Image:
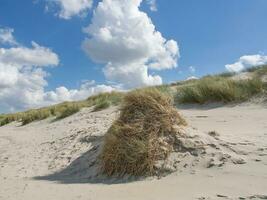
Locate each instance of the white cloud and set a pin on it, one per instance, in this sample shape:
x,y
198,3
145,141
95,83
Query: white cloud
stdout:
x,y
246,62
23,56
152,5
21,86
70,8
192,78
131,75
6,36
23,79
64,94
8,75
125,39
192,69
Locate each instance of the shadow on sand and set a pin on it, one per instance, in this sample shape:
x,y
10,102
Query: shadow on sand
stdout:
x,y
85,169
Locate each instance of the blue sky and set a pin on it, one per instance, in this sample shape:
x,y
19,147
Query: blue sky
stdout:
x,y
210,34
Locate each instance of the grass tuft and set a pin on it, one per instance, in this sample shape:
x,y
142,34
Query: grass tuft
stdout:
x,y
34,115
101,105
137,139
219,89
6,119
68,111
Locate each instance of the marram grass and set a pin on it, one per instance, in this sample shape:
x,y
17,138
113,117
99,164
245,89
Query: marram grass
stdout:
x,y
62,110
219,89
135,141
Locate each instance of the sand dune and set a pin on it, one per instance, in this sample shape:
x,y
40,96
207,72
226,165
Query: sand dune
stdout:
x,y
224,156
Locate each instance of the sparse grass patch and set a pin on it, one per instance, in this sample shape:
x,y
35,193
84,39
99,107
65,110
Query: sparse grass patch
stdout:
x,y
164,89
105,100
64,109
101,105
6,119
35,115
113,97
256,68
261,71
219,89
137,139
68,111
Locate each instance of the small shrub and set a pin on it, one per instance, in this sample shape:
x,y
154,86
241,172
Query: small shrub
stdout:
x,y
142,134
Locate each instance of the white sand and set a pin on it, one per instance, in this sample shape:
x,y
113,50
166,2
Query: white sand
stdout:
x,y
50,161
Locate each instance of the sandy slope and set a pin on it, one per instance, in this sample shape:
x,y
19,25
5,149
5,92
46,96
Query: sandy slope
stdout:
x,y
55,160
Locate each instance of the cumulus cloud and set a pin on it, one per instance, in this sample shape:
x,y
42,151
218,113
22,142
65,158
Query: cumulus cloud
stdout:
x,y
23,79
6,36
152,5
131,75
125,39
23,56
70,8
246,62
64,94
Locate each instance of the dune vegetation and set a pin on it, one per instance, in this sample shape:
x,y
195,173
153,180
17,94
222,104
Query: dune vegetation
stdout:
x,y
213,88
62,110
142,134
219,89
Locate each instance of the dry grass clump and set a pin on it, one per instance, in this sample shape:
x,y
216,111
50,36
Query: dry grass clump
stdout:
x,y
219,89
142,135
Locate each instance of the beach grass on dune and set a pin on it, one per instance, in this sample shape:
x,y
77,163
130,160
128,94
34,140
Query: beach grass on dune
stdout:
x,y
216,88
262,69
132,145
219,89
35,115
68,111
105,100
62,110
226,74
101,105
6,119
